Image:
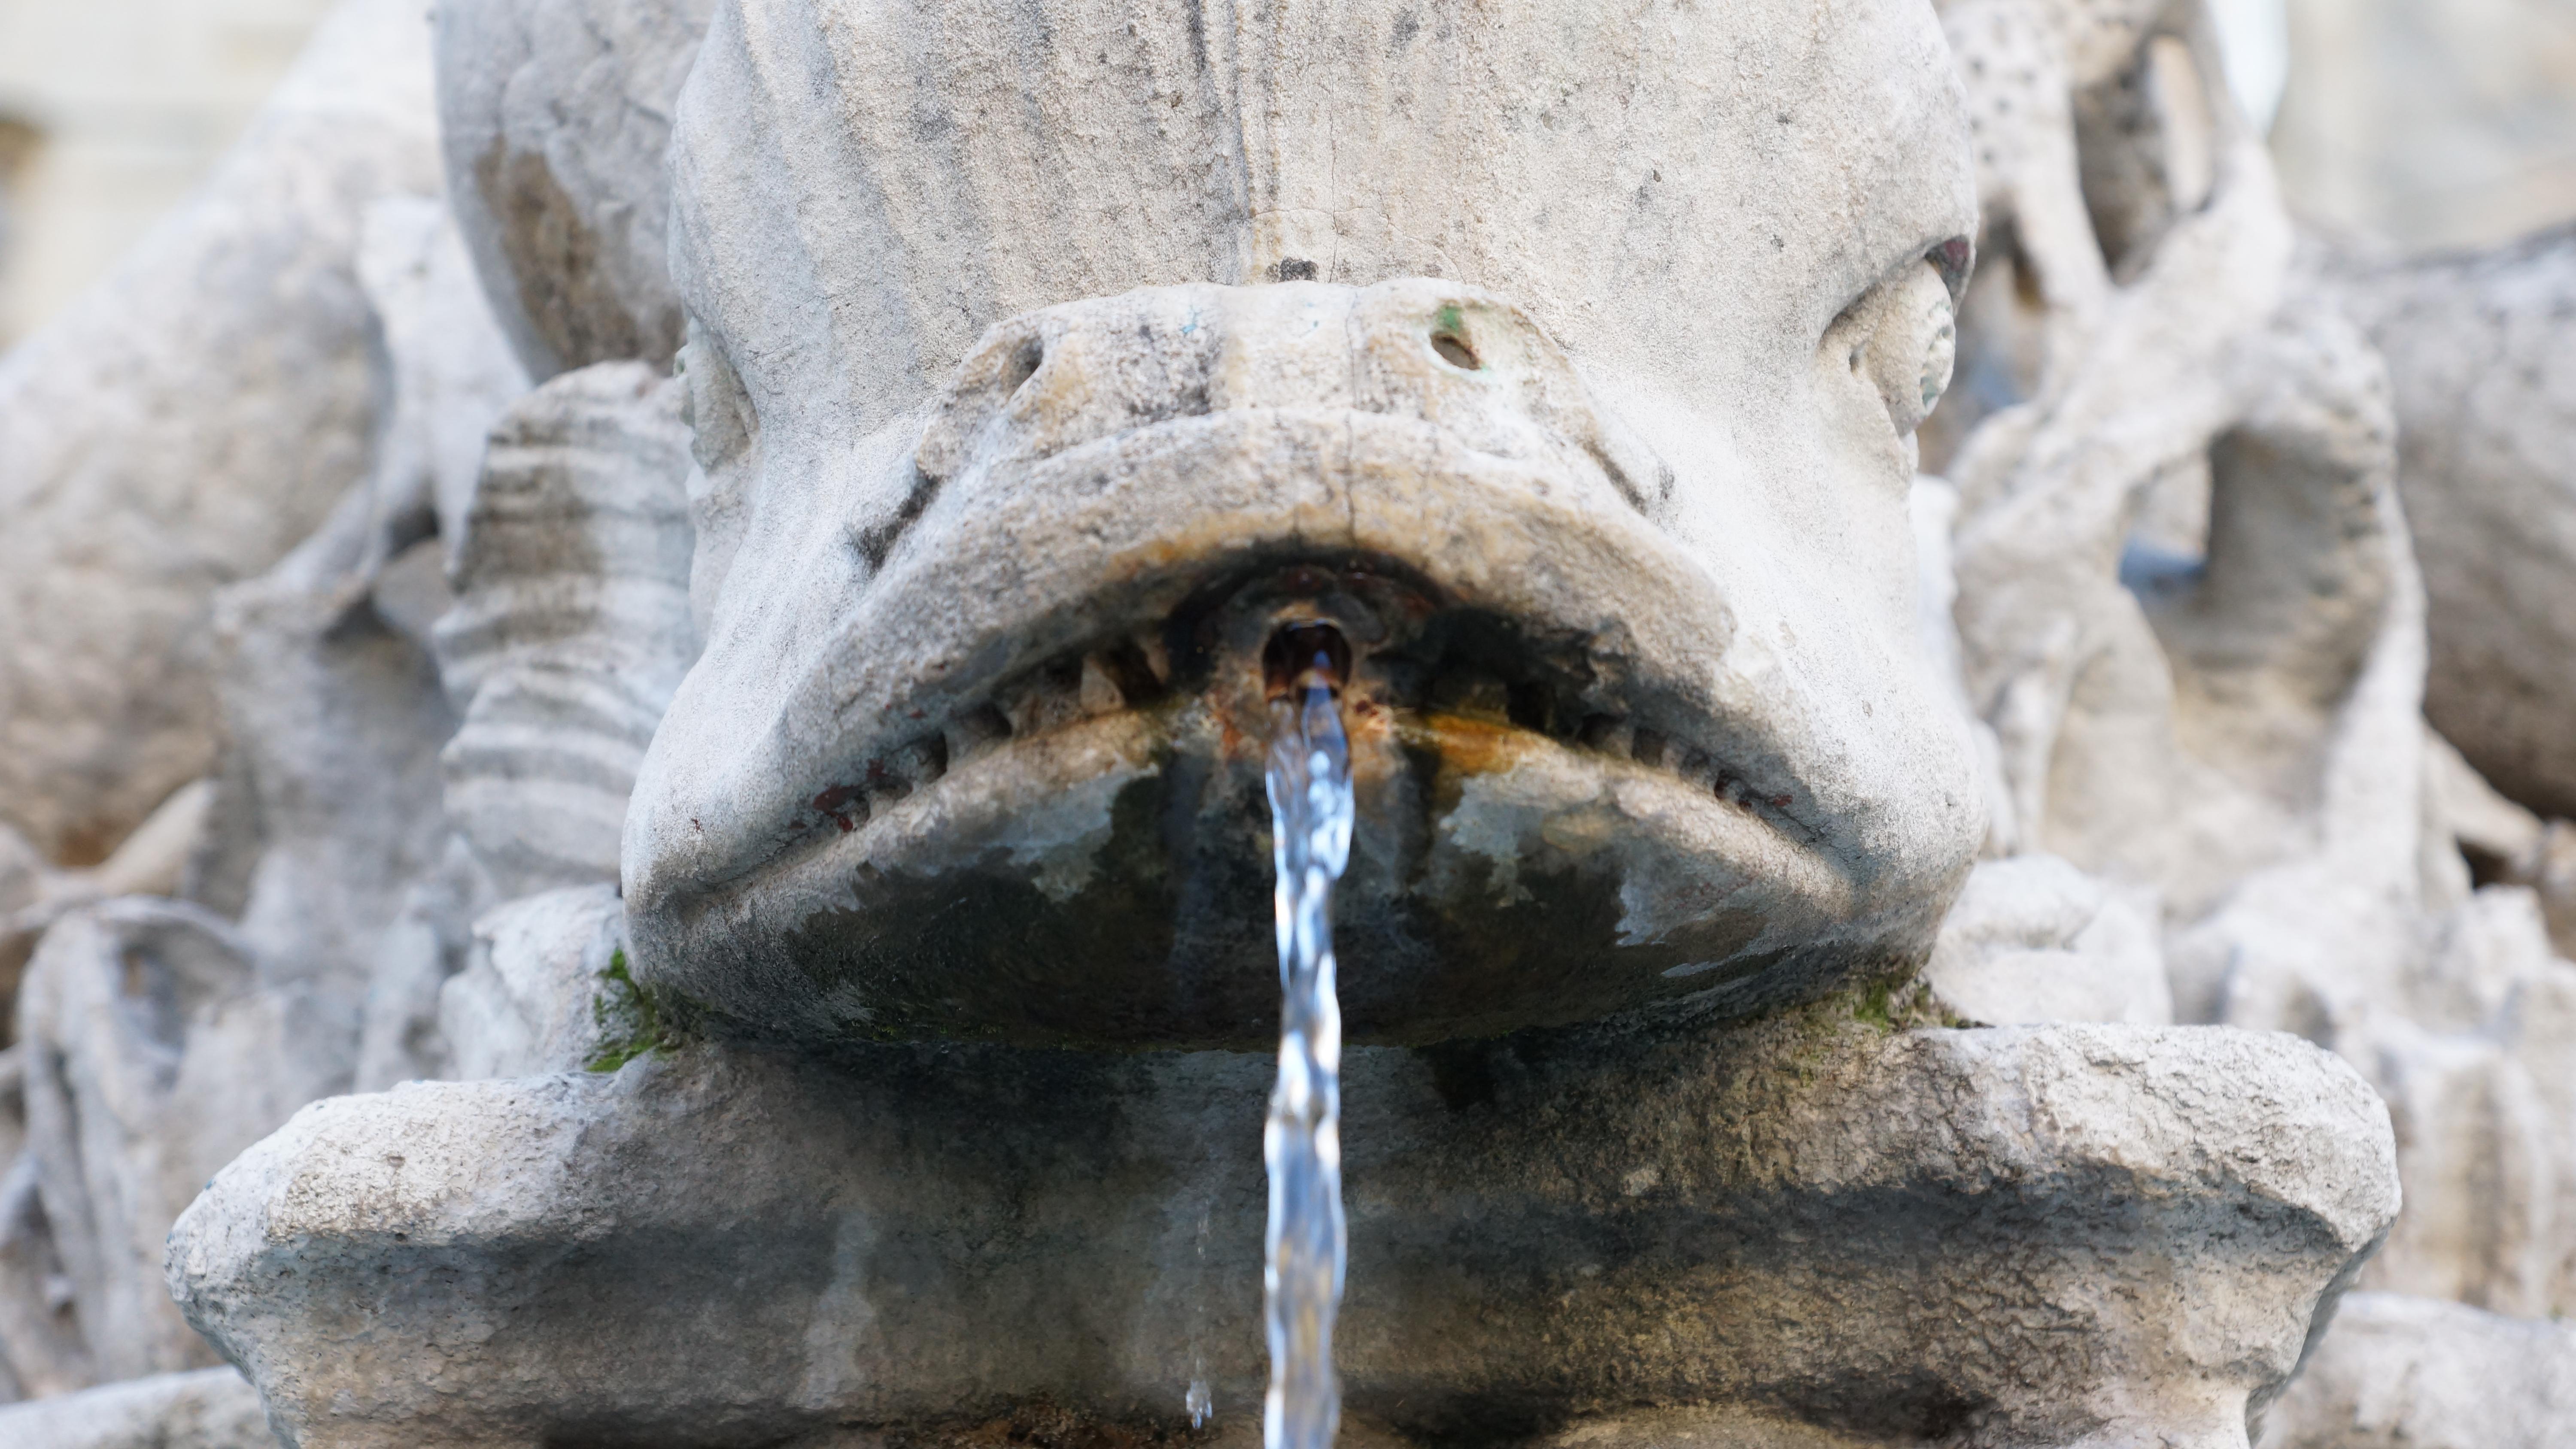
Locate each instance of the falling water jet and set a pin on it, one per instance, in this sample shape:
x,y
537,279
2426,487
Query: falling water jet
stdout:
x,y
1310,817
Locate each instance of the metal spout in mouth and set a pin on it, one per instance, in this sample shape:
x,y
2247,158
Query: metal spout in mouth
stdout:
x,y
1304,656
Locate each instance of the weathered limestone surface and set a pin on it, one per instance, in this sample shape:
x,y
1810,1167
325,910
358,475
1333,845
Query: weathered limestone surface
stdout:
x,y
869,743
448,372
1041,360
184,425
1602,467
568,628
309,325
1784,1223
428,941
39,1329
212,1408
331,798
554,116
153,860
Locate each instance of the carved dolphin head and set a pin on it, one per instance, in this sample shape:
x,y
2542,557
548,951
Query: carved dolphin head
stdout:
x,y
1046,356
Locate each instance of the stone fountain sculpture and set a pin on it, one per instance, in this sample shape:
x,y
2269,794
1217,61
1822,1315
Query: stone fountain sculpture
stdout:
x,y
1039,364
837,877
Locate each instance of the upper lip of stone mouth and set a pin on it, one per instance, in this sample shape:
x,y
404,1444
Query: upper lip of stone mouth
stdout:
x,y
1553,680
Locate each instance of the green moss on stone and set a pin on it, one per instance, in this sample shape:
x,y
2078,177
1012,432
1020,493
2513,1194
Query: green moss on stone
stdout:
x,y
631,1022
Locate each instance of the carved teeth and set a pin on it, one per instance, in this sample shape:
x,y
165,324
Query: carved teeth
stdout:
x,y
918,763
1130,668
1656,750
1532,705
1470,692
1045,698
1698,768
1650,748
1099,693
1134,673
844,805
977,730
1605,732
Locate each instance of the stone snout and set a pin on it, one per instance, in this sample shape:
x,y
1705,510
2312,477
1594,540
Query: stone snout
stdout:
x,y
998,773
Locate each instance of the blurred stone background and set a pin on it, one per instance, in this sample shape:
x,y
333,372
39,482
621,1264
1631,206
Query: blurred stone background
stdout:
x,y
110,110
2429,123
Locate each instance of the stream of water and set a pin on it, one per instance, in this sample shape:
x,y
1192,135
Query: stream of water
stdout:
x,y
1310,818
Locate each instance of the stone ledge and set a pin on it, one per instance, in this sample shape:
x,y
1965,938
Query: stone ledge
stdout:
x,y
2060,1232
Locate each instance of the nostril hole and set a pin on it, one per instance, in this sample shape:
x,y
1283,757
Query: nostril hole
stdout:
x,y
1024,365
1453,349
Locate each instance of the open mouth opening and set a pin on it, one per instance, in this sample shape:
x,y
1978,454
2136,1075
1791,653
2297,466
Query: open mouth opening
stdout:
x,y
1304,656
1454,680
1046,822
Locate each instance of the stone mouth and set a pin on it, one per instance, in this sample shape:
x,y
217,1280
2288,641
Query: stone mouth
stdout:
x,y
1041,817
1452,679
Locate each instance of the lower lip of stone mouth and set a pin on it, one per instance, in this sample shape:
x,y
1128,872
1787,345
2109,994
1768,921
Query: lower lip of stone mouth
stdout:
x,y
1077,852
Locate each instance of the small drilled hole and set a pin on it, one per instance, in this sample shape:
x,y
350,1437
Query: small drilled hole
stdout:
x,y
1453,349
1304,654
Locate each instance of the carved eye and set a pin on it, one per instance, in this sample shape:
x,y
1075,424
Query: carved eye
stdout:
x,y
1903,338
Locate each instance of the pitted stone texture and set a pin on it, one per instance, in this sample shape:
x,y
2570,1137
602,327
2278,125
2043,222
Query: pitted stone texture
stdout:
x,y
183,425
157,1055
571,626
1533,152
554,118
1791,1222
212,1408
2419,1373
2486,401
537,996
